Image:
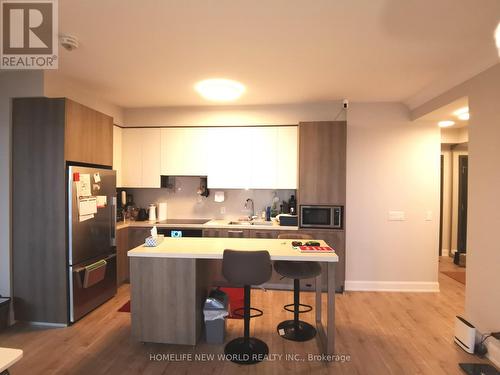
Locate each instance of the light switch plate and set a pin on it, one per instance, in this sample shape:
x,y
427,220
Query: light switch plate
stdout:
x,y
428,216
397,216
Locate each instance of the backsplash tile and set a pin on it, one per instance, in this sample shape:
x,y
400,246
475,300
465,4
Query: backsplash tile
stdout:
x,y
184,203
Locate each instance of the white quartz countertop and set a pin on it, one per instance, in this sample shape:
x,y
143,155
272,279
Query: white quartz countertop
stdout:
x,y
215,224
213,248
8,357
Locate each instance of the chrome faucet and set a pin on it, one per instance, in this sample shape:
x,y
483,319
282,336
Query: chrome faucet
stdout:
x,y
252,216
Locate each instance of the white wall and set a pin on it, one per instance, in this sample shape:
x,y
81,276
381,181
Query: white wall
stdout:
x,y
392,164
57,86
279,114
482,302
12,84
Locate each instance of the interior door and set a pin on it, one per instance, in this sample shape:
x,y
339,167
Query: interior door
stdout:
x,y
91,237
463,164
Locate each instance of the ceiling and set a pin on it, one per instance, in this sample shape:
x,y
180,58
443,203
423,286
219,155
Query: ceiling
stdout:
x,y
152,52
447,113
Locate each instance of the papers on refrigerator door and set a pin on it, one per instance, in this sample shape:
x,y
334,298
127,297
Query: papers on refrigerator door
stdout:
x,y
102,201
87,207
83,187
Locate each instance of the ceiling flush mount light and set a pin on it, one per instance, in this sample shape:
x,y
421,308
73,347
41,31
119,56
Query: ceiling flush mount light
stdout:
x,y
219,89
446,123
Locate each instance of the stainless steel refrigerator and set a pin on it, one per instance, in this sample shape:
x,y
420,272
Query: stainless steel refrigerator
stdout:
x,y
91,238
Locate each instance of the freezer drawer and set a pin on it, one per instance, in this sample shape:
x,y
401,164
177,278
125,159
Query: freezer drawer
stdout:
x,y
91,284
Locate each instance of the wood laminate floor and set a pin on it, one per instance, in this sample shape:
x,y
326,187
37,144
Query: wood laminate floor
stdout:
x,y
382,333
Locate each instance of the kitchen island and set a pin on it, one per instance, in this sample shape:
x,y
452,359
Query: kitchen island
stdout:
x,y
170,282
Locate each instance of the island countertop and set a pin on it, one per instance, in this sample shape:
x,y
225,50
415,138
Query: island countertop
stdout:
x,y
213,248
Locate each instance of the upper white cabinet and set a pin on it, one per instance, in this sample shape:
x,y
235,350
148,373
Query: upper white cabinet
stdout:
x,y
253,157
117,154
264,157
232,157
141,157
151,157
287,158
229,158
184,151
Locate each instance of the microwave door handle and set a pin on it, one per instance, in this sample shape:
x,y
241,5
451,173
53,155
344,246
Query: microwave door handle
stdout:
x,y
339,217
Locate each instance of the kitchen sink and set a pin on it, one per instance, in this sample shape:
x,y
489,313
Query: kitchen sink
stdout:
x,y
240,223
250,223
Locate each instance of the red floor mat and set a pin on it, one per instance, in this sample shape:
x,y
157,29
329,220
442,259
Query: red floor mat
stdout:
x,y
236,300
125,308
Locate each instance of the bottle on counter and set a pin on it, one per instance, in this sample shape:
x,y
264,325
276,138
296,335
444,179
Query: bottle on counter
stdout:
x,y
292,205
268,213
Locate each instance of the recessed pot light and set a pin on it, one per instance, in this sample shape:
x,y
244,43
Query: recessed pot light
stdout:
x,y
462,113
220,89
446,123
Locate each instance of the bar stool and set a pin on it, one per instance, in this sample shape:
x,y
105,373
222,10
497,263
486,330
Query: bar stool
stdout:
x,y
296,330
246,268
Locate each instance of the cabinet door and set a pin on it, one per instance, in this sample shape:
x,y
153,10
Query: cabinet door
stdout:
x,y
212,232
117,154
287,158
235,233
336,239
122,263
230,158
137,236
264,157
322,164
151,157
264,233
88,135
184,151
131,158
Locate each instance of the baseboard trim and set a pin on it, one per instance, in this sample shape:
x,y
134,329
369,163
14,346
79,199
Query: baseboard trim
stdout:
x,y
48,325
391,286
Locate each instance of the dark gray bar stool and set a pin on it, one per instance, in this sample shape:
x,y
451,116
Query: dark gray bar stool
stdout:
x,y
296,330
246,268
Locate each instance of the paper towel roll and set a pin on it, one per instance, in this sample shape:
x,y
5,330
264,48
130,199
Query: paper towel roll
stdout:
x,y
162,211
219,196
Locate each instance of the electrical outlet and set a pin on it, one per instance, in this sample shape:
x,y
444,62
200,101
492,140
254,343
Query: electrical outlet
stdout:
x,y
223,210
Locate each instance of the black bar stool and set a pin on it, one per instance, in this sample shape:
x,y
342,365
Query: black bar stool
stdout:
x,y
296,330
246,268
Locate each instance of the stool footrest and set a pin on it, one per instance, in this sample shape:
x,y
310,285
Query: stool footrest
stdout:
x,y
237,312
307,308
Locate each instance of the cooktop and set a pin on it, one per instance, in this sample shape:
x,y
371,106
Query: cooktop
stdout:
x,y
183,221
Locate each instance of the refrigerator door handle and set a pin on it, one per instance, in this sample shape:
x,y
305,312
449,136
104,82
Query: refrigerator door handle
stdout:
x,y
80,269
113,221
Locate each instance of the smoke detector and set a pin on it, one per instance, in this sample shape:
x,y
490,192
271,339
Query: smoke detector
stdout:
x,y
69,42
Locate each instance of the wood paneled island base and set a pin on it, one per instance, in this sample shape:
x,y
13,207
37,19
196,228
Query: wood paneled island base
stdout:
x,y
169,284
167,297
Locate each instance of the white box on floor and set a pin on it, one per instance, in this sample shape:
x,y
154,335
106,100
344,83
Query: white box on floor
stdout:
x,y
465,334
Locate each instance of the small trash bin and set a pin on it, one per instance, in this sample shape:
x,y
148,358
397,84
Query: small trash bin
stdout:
x,y
4,312
215,312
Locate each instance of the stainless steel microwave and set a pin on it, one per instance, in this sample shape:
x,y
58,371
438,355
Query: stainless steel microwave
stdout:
x,y
329,217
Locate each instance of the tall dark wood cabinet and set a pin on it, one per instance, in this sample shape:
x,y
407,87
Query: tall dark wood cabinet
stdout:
x,y
322,178
45,134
